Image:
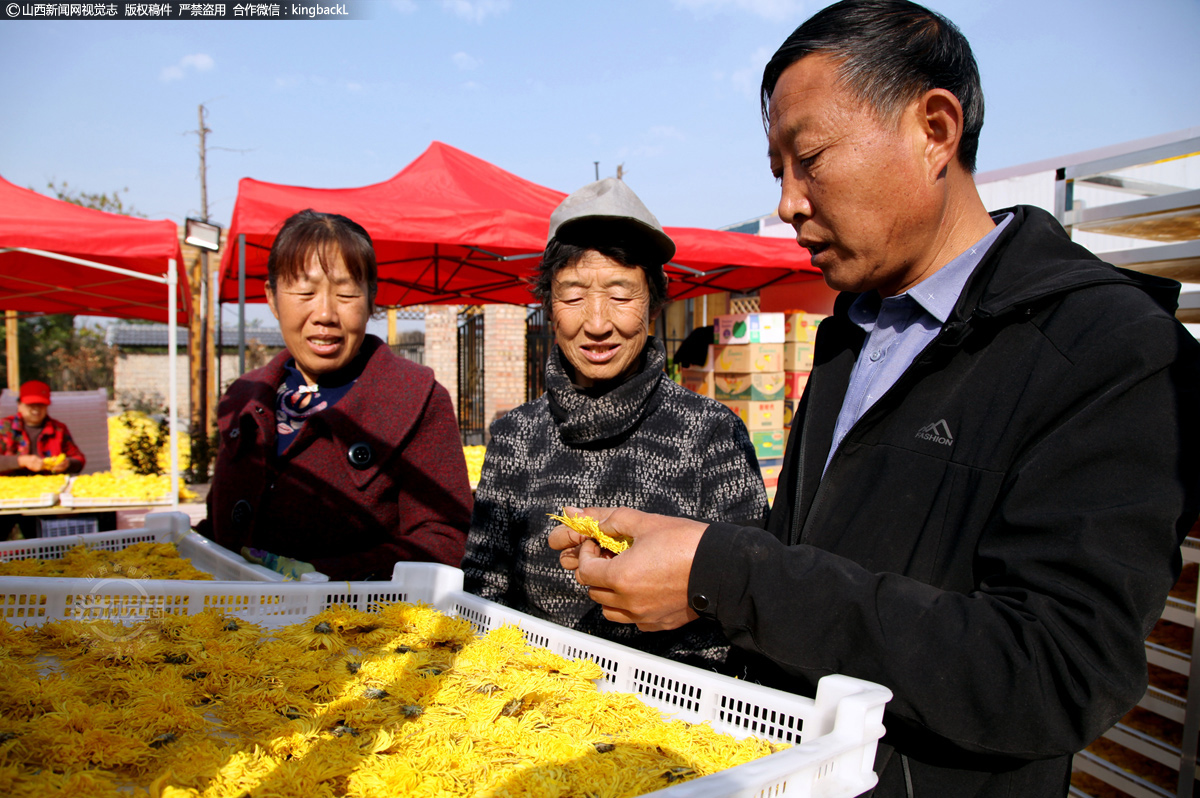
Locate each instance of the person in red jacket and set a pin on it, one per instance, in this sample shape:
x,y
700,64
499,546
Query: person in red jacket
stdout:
x,y
337,455
29,439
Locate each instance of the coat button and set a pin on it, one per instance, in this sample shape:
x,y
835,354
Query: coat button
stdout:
x,y
242,513
699,602
233,433
258,410
360,455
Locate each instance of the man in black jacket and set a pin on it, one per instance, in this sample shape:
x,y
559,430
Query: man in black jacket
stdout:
x,y
994,462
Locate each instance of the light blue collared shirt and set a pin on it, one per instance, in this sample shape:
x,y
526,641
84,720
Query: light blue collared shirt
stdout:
x,y
898,329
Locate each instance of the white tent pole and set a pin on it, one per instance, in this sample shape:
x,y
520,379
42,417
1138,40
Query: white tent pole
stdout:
x,y
172,280
90,263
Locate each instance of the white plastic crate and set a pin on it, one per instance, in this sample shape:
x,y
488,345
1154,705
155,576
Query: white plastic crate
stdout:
x,y
67,499
834,735
175,528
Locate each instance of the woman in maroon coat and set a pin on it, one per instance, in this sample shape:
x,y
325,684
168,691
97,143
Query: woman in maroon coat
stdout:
x,y
337,453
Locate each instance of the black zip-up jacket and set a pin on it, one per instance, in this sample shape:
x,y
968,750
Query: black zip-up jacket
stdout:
x,y
996,536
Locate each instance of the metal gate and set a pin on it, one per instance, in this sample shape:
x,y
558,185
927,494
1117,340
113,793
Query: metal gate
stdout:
x,y
470,375
539,340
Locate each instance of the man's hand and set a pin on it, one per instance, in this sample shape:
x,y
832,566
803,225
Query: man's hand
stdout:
x,y
647,583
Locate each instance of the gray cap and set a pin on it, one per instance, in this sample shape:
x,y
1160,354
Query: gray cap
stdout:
x,y
607,212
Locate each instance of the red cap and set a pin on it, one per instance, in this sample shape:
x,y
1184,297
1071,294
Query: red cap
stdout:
x,y
35,392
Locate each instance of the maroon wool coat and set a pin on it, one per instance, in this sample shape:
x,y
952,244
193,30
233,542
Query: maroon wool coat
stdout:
x,y
408,498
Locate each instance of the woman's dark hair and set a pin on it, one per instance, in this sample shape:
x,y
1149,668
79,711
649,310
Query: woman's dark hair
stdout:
x,y
889,52
311,231
559,255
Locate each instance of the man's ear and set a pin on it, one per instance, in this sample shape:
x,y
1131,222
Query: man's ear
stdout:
x,y
940,116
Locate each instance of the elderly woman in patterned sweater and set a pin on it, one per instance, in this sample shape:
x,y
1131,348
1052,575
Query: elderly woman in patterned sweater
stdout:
x,y
611,427
337,455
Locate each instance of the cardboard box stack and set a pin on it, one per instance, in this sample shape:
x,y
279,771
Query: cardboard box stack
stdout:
x,y
800,333
748,377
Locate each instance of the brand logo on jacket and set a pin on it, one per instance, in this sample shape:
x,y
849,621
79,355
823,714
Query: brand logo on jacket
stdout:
x,y
937,432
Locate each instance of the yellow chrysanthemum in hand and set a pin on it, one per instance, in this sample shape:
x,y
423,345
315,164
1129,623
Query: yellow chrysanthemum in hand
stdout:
x,y
586,525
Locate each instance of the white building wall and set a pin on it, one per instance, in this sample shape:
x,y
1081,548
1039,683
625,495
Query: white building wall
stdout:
x,y
139,377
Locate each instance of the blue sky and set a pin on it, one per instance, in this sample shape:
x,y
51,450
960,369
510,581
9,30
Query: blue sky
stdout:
x,y
543,89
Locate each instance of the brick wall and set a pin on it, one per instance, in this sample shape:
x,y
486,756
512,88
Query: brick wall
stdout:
x,y
138,376
503,359
441,346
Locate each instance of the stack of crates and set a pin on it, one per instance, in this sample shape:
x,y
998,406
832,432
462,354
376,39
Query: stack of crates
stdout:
x,y
748,378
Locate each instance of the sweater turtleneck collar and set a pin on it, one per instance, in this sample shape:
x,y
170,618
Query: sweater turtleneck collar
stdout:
x,y
584,417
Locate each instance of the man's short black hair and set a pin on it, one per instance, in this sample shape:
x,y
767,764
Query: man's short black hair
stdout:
x,y
889,52
559,255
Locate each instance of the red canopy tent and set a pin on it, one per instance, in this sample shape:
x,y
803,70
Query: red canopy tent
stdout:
x,y
452,228
56,257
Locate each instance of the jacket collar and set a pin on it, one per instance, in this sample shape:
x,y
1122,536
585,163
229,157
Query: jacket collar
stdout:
x,y
379,411
1042,262
584,418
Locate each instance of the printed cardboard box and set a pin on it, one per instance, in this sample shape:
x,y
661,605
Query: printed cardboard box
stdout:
x,y
770,467
746,358
801,327
759,415
760,386
797,357
698,380
789,411
768,444
748,328
794,383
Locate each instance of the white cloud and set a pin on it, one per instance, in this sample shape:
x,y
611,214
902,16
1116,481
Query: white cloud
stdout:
x,y
471,85
773,10
748,79
464,61
198,62
476,10
202,62
288,82
666,132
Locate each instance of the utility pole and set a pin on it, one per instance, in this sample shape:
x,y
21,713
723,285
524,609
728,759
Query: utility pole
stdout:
x,y
11,351
199,324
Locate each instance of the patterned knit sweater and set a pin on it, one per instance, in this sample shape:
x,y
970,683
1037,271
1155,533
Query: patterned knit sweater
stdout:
x,y
649,444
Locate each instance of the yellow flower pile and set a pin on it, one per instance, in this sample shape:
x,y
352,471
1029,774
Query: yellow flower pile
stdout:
x,y
48,463
137,561
474,456
134,487
118,434
400,702
107,484
586,525
31,487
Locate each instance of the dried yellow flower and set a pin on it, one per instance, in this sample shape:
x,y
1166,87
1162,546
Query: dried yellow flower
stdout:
x,y
586,525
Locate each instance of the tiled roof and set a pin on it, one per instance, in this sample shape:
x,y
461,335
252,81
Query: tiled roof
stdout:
x,y
132,335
